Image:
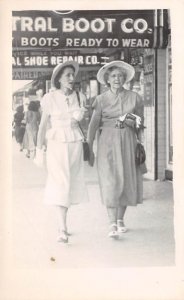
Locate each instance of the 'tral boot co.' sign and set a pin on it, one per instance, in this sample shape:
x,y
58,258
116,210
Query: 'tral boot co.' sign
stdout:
x,y
92,29
43,39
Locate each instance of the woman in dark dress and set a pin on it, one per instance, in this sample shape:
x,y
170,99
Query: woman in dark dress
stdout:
x,y
120,179
19,126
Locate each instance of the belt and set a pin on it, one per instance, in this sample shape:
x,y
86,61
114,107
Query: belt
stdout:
x,y
116,125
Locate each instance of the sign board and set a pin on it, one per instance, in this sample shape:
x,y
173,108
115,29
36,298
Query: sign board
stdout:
x,y
91,29
50,59
42,39
149,77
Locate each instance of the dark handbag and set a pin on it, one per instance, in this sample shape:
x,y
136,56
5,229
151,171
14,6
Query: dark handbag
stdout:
x,y
140,154
86,151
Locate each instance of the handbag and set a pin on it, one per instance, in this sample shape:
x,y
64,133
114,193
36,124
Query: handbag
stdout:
x,y
86,151
140,154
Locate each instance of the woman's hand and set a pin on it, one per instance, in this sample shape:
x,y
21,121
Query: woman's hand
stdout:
x,y
91,157
79,114
130,123
73,123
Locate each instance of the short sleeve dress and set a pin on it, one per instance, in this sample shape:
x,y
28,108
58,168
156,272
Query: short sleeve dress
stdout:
x,y
120,178
65,182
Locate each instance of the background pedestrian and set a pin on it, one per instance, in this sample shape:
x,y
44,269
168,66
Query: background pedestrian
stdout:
x,y
32,123
19,125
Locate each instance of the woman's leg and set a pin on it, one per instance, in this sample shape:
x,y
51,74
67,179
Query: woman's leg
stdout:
x,y
112,214
28,154
62,218
121,212
120,219
34,153
21,147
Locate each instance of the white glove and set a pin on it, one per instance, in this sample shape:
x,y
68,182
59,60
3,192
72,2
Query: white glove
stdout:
x,y
122,118
78,114
137,120
38,160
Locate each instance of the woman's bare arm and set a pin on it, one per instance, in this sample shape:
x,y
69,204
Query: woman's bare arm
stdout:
x,y
42,130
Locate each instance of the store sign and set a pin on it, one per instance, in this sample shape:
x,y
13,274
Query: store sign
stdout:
x,y
30,73
50,59
81,29
43,39
149,77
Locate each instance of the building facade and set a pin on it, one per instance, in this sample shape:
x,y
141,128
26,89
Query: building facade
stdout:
x,y
42,39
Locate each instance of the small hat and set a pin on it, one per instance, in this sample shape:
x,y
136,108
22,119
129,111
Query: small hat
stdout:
x,y
59,67
119,64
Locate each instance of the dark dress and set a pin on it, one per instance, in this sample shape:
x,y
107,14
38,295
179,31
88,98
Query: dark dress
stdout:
x,y
19,127
120,178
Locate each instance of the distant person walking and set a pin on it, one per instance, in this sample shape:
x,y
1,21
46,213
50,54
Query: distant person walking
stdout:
x,y
64,156
32,123
19,126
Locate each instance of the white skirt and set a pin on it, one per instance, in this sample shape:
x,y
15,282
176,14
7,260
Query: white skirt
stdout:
x,y
65,182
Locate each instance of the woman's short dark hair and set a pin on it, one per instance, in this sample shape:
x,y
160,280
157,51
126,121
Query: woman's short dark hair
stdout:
x,y
20,108
56,79
106,75
33,106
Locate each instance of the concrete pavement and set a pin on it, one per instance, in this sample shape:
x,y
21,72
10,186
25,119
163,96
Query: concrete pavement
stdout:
x,y
148,242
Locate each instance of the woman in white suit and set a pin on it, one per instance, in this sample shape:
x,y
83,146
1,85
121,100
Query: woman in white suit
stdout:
x,y
65,183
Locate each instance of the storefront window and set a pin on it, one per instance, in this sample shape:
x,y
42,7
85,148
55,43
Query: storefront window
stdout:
x,y
143,61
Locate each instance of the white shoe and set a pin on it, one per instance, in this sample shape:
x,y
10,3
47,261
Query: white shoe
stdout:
x,y
62,237
113,233
121,226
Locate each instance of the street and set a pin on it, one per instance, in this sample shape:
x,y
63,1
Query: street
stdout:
x,y
148,242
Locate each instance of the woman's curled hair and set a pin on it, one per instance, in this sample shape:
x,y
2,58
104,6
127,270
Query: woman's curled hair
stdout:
x,y
56,79
106,75
33,106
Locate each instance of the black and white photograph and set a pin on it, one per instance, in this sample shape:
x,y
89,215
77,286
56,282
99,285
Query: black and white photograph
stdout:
x,y
92,146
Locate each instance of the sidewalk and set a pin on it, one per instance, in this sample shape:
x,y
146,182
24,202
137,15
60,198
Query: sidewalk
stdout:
x,y
148,242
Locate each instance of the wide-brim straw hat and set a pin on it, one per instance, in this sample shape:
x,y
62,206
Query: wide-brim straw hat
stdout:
x,y
59,67
130,71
